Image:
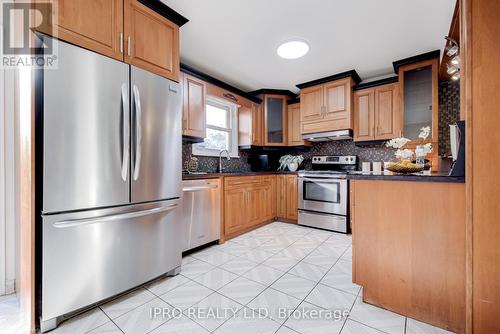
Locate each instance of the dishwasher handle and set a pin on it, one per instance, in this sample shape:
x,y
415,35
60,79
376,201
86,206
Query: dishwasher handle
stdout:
x,y
200,188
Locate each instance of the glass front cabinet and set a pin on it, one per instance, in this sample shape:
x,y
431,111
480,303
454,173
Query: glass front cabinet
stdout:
x,y
275,120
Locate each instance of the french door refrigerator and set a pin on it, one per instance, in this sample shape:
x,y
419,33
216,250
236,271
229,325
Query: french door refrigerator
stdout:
x,y
111,180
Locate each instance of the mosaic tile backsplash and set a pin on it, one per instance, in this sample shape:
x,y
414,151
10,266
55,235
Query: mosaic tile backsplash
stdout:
x,y
449,112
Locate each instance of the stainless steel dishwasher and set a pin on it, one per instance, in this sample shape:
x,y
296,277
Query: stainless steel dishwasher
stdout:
x,y
201,209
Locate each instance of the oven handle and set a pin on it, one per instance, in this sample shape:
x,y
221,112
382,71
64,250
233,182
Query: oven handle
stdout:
x,y
322,180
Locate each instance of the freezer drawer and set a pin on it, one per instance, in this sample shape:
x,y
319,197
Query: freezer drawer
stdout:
x,y
92,255
85,112
201,211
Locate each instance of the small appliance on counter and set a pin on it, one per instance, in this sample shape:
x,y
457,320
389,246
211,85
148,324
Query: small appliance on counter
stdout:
x,y
264,162
457,141
323,193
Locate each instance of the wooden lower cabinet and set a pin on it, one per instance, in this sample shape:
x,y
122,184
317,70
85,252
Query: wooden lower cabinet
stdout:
x,y
249,201
286,196
408,248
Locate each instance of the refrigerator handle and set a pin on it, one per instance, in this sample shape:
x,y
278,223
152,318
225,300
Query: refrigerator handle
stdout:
x,y
115,217
125,132
138,132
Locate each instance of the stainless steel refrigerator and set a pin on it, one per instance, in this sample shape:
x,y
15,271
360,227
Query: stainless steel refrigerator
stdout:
x,y
111,180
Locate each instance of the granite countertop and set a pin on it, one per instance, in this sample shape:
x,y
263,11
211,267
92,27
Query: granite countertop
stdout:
x,y
416,177
229,174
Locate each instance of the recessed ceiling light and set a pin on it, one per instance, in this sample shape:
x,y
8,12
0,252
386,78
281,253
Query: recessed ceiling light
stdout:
x,y
293,49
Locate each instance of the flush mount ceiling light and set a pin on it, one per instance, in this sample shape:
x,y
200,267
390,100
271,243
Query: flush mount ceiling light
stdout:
x,y
293,49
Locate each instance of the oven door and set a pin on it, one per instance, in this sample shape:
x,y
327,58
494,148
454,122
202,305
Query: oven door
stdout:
x,y
323,195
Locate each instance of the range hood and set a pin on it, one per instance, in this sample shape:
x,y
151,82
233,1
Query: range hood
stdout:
x,y
328,136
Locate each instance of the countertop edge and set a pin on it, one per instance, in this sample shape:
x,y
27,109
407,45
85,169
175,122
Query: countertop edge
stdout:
x,y
186,177
409,178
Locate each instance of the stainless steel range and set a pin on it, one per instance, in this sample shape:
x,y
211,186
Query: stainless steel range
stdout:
x,y
323,193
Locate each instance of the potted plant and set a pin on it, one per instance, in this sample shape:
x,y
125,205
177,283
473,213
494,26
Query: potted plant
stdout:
x,y
291,162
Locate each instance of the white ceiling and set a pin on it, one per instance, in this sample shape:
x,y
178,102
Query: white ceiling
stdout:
x,y
236,40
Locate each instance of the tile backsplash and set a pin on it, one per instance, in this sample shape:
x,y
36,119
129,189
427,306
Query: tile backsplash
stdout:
x,y
449,112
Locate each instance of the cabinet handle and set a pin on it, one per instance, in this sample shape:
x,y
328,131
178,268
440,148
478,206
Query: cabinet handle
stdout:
x,y
184,124
129,45
121,42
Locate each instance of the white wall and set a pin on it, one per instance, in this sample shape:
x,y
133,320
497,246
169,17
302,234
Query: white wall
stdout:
x,y
7,181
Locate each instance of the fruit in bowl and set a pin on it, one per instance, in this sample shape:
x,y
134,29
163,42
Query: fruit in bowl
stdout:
x,y
404,166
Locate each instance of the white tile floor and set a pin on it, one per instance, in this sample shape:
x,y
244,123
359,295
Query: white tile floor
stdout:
x,y
263,281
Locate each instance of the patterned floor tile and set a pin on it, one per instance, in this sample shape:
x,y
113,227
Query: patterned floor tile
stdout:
x,y
257,255
239,265
140,321
216,258
272,303
248,321
215,278
378,318
416,327
294,285
242,290
281,262
213,311
195,268
186,295
340,277
126,303
108,328
166,284
180,325
263,274
82,323
309,271
303,321
353,327
330,298
320,259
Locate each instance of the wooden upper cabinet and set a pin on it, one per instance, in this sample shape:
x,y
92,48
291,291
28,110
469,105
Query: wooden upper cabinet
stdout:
x,y
193,111
294,135
256,132
364,115
327,107
311,103
96,25
152,41
275,120
387,112
377,113
250,125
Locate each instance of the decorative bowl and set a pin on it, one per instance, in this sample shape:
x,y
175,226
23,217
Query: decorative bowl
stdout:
x,y
404,167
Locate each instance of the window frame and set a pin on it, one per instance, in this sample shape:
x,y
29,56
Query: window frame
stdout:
x,y
232,129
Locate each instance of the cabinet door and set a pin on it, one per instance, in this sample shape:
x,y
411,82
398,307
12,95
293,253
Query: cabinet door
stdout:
x,y
152,40
266,203
364,115
193,112
292,200
275,123
311,103
294,134
281,196
92,24
257,124
337,102
387,112
254,206
235,208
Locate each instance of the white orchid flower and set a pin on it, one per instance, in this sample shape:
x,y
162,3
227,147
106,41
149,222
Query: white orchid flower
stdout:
x,y
425,132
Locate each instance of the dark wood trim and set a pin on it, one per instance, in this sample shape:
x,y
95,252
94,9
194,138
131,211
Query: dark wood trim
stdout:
x,y
293,101
351,73
214,81
165,11
376,83
270,91
415,59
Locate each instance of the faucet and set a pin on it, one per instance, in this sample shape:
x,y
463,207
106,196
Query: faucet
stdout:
x,y
220,159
